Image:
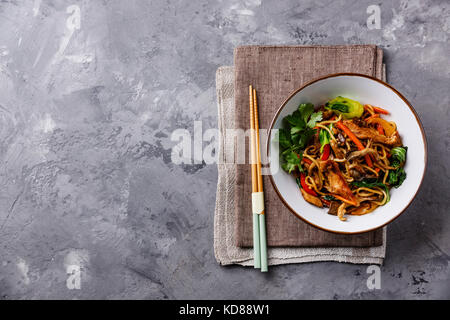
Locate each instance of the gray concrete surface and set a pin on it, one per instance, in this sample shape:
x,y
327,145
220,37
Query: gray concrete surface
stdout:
x,y
86,114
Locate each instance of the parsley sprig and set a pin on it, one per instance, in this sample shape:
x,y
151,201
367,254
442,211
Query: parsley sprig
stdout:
x,y
298,129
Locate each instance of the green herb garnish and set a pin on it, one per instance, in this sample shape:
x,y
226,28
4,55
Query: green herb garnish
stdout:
x,y
293,138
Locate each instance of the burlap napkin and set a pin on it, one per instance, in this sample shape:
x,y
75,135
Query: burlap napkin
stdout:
x,y
276,72
225,248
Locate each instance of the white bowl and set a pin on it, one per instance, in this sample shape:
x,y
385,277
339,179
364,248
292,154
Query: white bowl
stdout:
x,y
366,90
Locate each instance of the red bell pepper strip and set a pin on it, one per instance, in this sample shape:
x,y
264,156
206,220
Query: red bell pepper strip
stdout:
x,y
305,186
304,159
380,129
326,152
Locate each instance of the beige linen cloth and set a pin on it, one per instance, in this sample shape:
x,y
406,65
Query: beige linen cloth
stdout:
x,y
225,249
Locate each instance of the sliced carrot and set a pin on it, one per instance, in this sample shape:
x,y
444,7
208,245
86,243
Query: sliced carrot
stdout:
x,y
358,143
377,169
350,134
368,160
306,160
380,110
353,203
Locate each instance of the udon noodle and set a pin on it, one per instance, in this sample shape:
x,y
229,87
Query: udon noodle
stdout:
x,y
350,163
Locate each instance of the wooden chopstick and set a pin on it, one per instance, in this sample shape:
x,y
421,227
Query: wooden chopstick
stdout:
x,y
253,143
258,154
261,217
256,235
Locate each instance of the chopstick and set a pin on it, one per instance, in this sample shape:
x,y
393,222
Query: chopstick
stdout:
x,y
259,224
256,247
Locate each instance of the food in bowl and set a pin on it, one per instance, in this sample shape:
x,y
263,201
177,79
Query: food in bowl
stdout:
x,y
343,155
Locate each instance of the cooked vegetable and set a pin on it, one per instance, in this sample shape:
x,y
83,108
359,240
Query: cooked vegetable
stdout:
x,y
328,156
355,140
299,129
380,110
350,134
398,156
302,184
380,129
326,152
388,127
347,107
396,177
324,139
349,201
371,133
334,206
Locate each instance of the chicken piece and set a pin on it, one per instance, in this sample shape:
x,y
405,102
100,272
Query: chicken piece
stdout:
x,y
336,181
337,152
370,133
339,186
311,199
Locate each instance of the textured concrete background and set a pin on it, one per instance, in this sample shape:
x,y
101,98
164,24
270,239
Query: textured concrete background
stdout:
x,y
86,116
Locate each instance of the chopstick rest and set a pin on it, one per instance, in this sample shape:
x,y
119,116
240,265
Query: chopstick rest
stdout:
x,y
258,202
